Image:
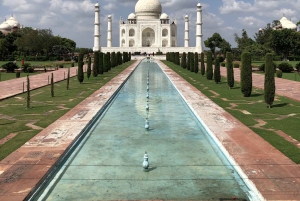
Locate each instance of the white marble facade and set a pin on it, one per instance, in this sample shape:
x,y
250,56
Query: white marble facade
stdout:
x,y
149,30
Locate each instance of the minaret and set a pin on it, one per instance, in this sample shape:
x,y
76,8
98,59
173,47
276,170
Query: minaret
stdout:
x,y
97,35
186,31
199,35
109,31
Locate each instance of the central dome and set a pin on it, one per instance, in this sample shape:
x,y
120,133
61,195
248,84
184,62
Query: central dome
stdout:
x,y
148,9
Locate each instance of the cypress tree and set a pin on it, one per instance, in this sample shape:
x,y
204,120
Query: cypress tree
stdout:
x,y
52,85
246,74
229,67
129,56
80,75
177,59
188,61
269,85
96,64
202,64
105,63
68,79
108,61
192,62
119,58
124,57
89,70
217,73
209,68
183,60
196,67
101,63
168,56
28,92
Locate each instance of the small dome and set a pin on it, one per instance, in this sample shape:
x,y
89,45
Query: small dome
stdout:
x,y
132,16
199,5
186,16
164,16
287,24
5,26
12,22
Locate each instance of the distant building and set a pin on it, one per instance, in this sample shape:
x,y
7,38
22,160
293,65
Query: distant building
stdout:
x,y
285,24
9,26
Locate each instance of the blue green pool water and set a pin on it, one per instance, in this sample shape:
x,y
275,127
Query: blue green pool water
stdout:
x,y
185,163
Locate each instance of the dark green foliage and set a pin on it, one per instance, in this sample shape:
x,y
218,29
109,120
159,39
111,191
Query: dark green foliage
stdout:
x,y
221,59
269,85
72,64
68,79
28,92
89,70
209,68
124,57
10,67
80,74
279,73
177,59
119,58
217,73
18,74
129,59
101,63
96,64
183,60
246,75
285,67
192,62
113,59
262,67
196,63
298,67
52,85
105,63
108,61
25,67
188,61
223,64
202,64
229,67
236,65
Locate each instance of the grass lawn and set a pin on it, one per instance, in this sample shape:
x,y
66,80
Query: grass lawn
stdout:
x,y
8,76
14,117
42,63
294,76
258,63
253,111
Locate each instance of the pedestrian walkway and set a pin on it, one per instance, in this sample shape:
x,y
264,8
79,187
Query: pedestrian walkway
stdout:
x,y
284,87
17,86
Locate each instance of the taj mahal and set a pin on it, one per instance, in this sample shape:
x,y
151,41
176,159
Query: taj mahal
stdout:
x,y
148,30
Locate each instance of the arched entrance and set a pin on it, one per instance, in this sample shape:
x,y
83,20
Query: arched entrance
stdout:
x,y
148,37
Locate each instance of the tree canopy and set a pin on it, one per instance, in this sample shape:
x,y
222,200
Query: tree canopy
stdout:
x,y
216,41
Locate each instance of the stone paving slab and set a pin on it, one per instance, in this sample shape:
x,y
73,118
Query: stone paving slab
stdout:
x,y
22,170
274,175
14,87
284,87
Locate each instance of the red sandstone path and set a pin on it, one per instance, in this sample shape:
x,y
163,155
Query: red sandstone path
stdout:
x,y
14,87
284,87
273,174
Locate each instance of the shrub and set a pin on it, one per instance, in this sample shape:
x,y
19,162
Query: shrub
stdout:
x,y
196,67
183,60
221,59
202,64
89,69
159,53
209,69
262,67
192,62
229,67
25,67
269,84
298,67
10,67
236,65
72,64
96,64
246,75
285,67
80,75
223,64
217,73
101,63
30,69
18,74
279,73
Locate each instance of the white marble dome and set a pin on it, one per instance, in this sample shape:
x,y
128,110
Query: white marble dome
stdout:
x,y
148,9
131,16
287,24
164,16
5,26
12,22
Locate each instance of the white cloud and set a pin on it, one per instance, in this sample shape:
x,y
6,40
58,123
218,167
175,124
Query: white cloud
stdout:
x,y
235,6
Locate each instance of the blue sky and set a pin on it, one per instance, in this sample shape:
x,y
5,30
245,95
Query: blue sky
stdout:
x,y
74,19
